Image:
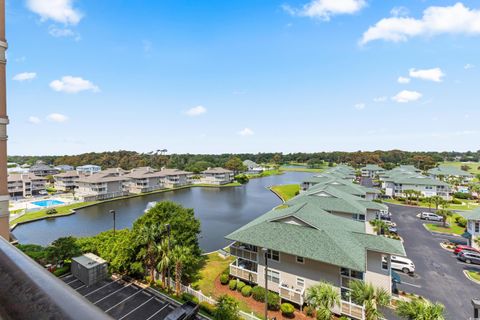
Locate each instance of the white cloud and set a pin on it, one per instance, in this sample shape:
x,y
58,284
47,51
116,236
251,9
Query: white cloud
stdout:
x,y
246,132
69,84
34,120
61,32
406,96
56,10
196,111
380,99
57,117
403,80
435,74
360,106
24,76
324,9
468,66
456,19
399,11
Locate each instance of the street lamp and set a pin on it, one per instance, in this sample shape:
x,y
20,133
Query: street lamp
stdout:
x,y
167,227
114,214
265,253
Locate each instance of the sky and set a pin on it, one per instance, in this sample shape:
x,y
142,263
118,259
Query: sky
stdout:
x,y
237,76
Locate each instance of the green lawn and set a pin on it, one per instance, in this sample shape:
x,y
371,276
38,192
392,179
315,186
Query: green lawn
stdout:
x,y
287,191
474,275
43,213
452,229
265,173
468,204
214,266
300,169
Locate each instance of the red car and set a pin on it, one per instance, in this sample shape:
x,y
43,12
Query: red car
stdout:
x,y
460,248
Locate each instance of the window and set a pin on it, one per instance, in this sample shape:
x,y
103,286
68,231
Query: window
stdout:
x,y
300,260
273,276
477,226
273,255
384,262
300,282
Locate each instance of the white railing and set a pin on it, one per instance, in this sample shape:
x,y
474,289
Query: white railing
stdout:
x,y
292,295
248,316
353,310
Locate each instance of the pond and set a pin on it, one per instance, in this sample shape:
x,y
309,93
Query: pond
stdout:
x,y
220,210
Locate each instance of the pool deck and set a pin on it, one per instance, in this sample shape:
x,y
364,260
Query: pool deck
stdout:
x,y
28,204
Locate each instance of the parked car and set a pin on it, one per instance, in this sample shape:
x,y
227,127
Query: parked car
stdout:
x,y
390,223
392,229
469,257
460,248
385,217
403,264
187,311
430,216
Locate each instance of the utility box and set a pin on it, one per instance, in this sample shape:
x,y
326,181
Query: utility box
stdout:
x,y
89,268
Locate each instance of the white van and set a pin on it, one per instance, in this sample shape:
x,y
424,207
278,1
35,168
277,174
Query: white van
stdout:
x,y
430,216
403,264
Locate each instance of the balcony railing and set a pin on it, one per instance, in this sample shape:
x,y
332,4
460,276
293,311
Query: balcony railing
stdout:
x,y
244,274
353,310
28,291
243,253
293,295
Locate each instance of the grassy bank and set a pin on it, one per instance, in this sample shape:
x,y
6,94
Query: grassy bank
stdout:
x,y
213,268
286,192
453,227
61,211
265,173
300,169
474,275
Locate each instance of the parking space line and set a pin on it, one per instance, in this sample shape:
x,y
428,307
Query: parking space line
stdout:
x,y
132,295
137,308
112,293
72,281
80,287
153,315
101,287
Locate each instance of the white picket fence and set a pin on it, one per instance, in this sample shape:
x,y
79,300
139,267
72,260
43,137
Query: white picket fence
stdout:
x,y
203,298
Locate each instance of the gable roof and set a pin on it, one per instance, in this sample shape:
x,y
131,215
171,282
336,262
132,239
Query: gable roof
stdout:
x,y
449,171
471,215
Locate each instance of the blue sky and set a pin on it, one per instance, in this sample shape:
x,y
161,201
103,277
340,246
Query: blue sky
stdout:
x,y
242,75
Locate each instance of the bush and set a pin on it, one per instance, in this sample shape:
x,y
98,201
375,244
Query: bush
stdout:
x,y
189,297
207,308
242,178
309,311
258,293
461,195
273,301
455,201
224,279
240,285
232,284
461,221
226,271
61,271
51,211
148,279
158,283
287,309
247,291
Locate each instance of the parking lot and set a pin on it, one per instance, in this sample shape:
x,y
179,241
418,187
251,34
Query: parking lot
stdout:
x,y
438,275
124,300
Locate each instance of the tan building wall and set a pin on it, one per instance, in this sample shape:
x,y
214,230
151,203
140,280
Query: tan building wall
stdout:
x,y
375,274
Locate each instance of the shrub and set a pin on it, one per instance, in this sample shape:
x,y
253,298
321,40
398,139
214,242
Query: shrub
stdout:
x,y
207,308
158,283
51,211
287,309
461,221
258,293
226,309
226,271
247,291
189,297
148,279
232,284
240,285
273,301
242,178
455,201
461,195
224,279
309,311
61,271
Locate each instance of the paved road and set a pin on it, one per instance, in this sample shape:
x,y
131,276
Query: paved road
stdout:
x,y
439,275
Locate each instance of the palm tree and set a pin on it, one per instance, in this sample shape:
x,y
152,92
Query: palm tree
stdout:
x,y
180,256
437,200
407,194
418,194
323,297
419,309
444,213
148,237
429,201
164,260
372,298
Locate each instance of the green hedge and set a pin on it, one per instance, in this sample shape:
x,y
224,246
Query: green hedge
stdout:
x,y
207,308
247,291
273,301
224,279
232,284
240,285
287,309
258,293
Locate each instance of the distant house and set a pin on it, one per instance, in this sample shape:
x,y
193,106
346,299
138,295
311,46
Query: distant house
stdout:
x,y
371,171
107,184
41,169
446,173
25,184
252,167
89,169
217,176
145,179
173,178
473,226
66,181
64,167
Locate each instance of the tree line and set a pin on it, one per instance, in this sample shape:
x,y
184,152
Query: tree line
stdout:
x,y
198,162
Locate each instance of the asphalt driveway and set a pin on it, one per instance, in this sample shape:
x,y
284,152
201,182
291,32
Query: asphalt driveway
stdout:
x,y
439,275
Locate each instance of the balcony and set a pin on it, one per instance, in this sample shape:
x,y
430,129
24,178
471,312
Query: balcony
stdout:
x,y
242,252
245,270
29,291
292,294
353,310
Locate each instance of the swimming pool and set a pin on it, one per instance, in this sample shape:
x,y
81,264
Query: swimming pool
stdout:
x,y
47,203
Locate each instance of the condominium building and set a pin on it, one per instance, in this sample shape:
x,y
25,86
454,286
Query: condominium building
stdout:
x,y
473,227
174,178
107,184
371,171
448,173
144,179
306,245
66,181
217,176
43,170
88,169
25,185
